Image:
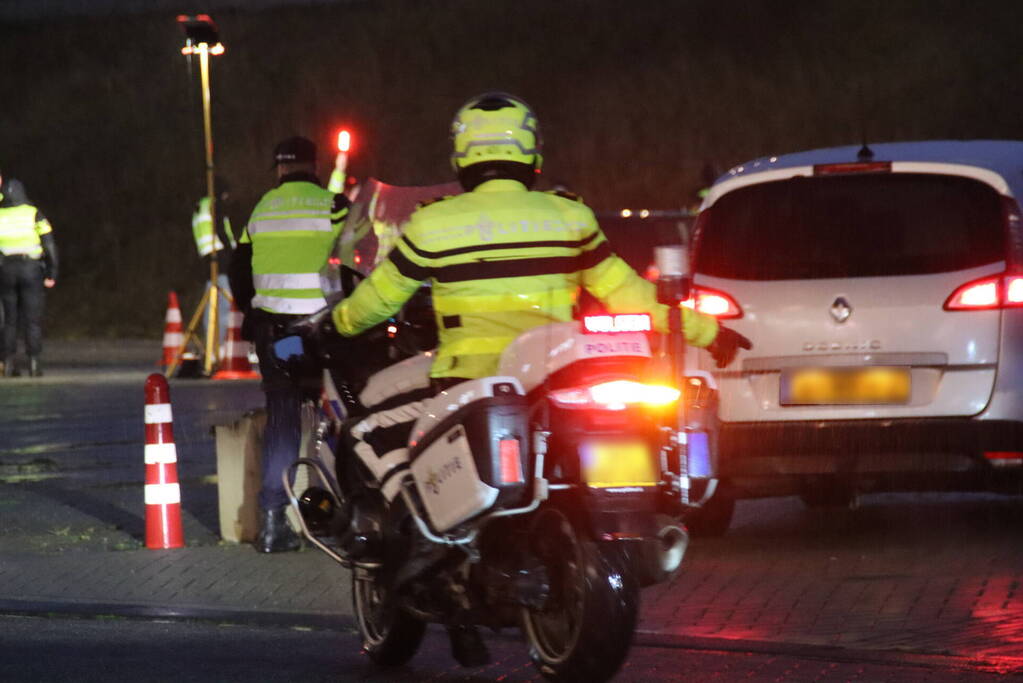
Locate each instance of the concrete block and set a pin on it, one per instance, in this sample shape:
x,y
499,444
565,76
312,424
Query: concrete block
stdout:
x,y
239,475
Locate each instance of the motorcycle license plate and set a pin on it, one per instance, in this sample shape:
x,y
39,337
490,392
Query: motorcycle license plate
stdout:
x,y
845,386
618,464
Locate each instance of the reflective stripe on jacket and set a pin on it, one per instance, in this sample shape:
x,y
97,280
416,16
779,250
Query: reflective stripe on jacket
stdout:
x,y
21,228
502,260
202,229
292,230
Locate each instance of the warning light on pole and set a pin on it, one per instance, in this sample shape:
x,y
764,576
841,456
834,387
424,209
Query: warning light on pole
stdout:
x,y
344,141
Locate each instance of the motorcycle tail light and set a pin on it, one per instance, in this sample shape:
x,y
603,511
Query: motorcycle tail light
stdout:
x,y
615,395
622,322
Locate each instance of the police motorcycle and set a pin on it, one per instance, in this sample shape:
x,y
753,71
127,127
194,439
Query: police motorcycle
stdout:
x,y
542,498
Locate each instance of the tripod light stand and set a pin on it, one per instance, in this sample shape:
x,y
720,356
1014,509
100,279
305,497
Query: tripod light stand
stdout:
x,y
201,38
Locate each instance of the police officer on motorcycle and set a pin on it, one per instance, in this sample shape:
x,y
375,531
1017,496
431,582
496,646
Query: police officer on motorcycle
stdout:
x,y
501,259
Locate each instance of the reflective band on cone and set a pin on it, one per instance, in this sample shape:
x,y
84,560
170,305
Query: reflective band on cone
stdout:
x,y
236,351
173,333
162,491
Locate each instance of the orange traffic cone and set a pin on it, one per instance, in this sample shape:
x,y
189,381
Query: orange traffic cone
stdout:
x,y
236,352
173,335
162,492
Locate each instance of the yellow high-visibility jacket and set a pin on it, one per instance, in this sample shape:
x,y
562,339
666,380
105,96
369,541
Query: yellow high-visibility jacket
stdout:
x,y
502,260
21,230
291,232
203,232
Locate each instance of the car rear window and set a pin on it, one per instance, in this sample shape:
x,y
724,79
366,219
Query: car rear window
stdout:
x,y
851,226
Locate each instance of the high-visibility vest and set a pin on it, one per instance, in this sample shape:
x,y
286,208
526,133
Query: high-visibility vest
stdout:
x,y
502,260
292,231
21,227
202,229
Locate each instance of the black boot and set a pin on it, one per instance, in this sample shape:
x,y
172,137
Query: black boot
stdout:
x,y
467,646
275,534
34,369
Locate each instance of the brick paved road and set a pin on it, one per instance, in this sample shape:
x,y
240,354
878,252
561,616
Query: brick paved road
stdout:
x,y
935,574
925,573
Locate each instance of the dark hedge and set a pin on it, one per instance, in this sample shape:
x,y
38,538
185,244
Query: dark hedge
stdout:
x,y
101,120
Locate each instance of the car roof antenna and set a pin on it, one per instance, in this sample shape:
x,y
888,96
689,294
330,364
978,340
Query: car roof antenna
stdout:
x,y
865,154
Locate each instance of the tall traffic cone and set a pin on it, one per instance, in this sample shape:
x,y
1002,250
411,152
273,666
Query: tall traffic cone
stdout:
x,y
235,364
162,492
173,335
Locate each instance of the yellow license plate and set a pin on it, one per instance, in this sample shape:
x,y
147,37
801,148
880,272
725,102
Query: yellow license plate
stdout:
x,y
613,464
845,386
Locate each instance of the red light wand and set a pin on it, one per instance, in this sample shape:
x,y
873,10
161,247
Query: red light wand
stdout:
x,y
338,175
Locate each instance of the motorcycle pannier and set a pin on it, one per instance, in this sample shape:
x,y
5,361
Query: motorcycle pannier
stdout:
x,y
471,452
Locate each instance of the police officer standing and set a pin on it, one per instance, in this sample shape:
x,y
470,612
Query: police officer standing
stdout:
x,y
275,279
28,265
222,239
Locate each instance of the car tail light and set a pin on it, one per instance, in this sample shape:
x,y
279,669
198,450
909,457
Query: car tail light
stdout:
x,y
1014,290
855,167
713,302
987,293
615,395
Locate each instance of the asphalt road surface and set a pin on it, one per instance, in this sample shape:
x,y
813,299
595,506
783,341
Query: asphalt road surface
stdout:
x,y
908,587
49,649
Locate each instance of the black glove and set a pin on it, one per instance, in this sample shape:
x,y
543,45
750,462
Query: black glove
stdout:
x,y
726,345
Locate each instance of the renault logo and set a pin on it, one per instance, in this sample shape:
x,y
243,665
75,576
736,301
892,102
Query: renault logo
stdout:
x,y
840,310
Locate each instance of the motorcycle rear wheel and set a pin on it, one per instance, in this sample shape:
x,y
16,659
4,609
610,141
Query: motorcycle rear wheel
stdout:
x,y
390,636
584,630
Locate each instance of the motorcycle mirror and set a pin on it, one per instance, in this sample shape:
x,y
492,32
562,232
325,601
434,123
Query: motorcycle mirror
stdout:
x,y
289,347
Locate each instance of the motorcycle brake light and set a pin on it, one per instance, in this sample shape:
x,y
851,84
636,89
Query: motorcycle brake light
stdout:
x,y
622,322
615,395
511,463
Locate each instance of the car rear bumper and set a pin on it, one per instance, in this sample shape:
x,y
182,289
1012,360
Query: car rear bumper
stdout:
x,y
780,458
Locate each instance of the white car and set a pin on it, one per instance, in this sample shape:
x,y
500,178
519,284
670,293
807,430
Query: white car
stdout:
x,y
882,288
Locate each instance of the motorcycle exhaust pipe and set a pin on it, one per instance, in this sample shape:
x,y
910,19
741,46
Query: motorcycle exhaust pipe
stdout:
x,y
674,542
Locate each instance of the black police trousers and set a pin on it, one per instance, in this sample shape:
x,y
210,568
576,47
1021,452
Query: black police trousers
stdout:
x,y
21,292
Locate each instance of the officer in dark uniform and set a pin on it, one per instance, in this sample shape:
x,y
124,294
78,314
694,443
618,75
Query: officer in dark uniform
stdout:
x,y
28,266
275,279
